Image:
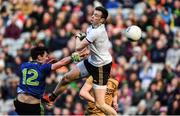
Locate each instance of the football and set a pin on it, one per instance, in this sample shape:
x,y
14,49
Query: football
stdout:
x,y
133,33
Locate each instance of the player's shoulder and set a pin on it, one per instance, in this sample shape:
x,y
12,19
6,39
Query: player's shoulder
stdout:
x,y
100,28
24,64
89,80
30,64
95,29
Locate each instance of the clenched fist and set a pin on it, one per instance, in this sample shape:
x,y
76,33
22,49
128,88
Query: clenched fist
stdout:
x,y
75,57
81,35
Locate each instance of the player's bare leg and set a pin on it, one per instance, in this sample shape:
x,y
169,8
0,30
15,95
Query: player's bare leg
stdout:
x,y
66,79
99,94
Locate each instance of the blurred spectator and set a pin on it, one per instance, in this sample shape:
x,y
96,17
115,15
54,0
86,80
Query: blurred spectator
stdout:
x,y
51,83
120,75
29,25
163,110
2,27
158,55
65,111
112,4
156,108
12,83
60,41
177,70
12,31
26,7
78,109
125,99
147,74
166,14
142,108
138,93
173,55
168,73
132,79
150,100
169,35
176,13
174,109
138,59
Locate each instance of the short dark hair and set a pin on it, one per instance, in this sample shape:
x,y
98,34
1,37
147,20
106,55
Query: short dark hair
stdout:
x,y
38,51
103,10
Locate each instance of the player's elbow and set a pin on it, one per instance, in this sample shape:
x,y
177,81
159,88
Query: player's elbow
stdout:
x,y
82,93
79,48
57,65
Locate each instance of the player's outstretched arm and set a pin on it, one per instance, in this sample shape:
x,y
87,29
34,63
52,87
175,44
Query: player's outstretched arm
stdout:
x,y
81,43
75,57
85,91
61,63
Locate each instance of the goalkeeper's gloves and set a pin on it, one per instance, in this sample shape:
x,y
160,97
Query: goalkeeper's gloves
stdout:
x,y
49,99
75,57
81,35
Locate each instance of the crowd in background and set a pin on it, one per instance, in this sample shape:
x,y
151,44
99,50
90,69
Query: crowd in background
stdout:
x,y
148,71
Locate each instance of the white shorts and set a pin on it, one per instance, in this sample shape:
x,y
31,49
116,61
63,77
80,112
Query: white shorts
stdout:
x,y
83,70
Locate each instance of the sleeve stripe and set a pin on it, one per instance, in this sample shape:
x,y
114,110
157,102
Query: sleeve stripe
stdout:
x,y
88,40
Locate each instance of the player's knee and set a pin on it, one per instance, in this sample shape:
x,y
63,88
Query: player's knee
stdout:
x,y
65,81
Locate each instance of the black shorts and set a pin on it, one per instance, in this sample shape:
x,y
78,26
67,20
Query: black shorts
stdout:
x,y
100,74
28,109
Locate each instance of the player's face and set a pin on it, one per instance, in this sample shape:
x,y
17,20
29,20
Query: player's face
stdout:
x,y
96,17
44,57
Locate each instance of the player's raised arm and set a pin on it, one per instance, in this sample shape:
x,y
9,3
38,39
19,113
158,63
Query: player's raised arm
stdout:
x,y
75,57
81,41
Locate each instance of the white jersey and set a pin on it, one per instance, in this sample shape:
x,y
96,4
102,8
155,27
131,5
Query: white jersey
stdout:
x,y
99,46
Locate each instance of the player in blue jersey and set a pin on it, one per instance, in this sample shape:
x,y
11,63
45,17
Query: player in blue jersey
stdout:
x,y
32,80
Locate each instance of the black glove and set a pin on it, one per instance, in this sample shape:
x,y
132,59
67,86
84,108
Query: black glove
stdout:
x,y
81,35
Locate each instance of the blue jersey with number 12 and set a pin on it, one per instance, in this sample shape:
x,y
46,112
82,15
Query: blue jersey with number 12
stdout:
x,y
32,80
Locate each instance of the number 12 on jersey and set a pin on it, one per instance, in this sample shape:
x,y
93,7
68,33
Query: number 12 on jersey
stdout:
x,y
32,79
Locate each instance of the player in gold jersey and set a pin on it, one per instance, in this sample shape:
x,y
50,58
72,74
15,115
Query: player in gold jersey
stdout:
x,y
110,97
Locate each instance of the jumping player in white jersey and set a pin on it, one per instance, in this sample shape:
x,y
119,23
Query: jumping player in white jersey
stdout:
x,y
98,64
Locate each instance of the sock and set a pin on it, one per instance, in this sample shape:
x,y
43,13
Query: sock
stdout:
x,y
52,97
